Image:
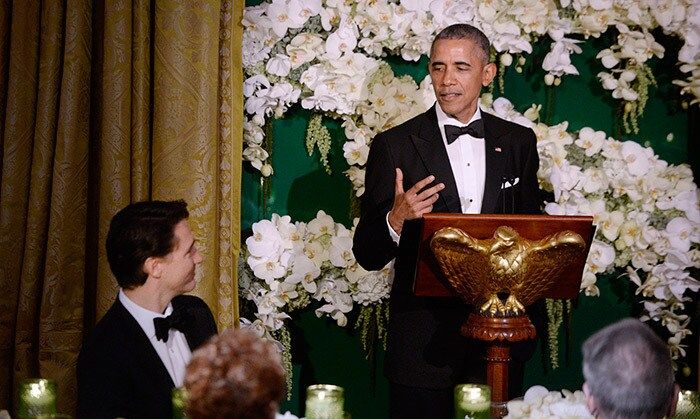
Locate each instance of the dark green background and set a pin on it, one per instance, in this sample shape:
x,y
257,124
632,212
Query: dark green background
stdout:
x,y
325,353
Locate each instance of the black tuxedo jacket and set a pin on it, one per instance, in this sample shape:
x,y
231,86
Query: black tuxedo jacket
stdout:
x,y
120,373
424,346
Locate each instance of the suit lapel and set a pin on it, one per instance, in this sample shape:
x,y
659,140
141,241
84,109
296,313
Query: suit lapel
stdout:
x,y
496,152
201,325
432,152
144,352
194,339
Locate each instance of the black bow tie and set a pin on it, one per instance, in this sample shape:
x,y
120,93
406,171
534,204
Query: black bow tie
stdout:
x,y
475,129
179,319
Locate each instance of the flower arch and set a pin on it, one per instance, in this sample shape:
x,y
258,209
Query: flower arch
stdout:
x,y
327,57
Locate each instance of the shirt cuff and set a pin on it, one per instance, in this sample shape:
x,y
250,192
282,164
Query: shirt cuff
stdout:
x,y
395,237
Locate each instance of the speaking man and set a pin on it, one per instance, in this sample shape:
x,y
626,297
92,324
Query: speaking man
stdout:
x,y
452,158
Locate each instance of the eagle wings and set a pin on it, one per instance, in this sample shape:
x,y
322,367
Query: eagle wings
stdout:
x,y
480,269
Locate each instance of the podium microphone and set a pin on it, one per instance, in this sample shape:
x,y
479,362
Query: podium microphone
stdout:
x,y
508,180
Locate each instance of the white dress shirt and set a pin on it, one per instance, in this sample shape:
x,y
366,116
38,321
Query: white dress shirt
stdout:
x,y
175,353
467,156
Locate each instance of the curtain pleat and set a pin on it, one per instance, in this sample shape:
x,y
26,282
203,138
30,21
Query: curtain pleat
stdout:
x,y
103,104
22,38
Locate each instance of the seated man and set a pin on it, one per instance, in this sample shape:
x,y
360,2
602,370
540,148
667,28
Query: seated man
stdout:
x,y
628,373
138,351
235,375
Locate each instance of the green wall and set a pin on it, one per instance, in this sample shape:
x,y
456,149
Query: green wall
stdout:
x,y
326,353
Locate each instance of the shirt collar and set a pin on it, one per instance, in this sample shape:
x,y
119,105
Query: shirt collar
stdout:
x,y
143,316
445,119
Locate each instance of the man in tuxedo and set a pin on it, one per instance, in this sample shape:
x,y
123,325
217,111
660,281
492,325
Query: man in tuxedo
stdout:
x,y
629,373
452,158
138,351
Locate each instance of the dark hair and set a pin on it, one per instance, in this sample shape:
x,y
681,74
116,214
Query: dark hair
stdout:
x,y
234,375
139,231
465,31
628,371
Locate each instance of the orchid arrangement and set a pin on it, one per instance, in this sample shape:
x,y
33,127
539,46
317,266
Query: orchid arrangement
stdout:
x,y
289,265
647,213
538,402
325,53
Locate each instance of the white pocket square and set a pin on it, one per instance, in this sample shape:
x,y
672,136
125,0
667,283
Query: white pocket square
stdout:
x,y
507,184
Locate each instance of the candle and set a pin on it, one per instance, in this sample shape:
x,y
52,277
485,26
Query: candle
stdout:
x,y
179,397
688,405
472,401
37,396
324,401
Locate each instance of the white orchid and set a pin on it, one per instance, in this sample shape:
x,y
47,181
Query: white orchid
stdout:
x,y
357,177
340,253
558,61
342,41
356,152
265,241
279,65
679,232
621,86
608,57
504,109
638,46
638,158
322,225
591,141
539,402
595,22
304,48
285,14
305,272
316,252
600,257
256,155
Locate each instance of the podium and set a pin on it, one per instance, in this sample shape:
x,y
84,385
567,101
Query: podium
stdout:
x,y
485,257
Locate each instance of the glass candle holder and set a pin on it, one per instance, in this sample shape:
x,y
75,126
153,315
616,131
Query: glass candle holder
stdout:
x,y
37,396
325,401
472,401
688,405
179,397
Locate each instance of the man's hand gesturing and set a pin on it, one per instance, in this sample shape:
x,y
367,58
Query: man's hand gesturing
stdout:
x,y
412,203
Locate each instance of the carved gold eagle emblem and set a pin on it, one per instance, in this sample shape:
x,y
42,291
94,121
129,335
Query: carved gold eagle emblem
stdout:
x,y
479,270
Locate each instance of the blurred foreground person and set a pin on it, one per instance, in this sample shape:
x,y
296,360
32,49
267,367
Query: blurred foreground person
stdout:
x,y
235,375
628,373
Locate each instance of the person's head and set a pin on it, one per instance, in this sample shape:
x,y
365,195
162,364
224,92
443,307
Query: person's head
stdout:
x,y
152,239
459,67
235,375
628,373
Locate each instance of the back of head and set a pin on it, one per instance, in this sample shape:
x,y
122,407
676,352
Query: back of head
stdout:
x,y
139,231
465,31
235,375
628,371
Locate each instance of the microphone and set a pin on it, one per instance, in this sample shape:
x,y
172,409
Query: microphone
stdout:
x,y
508,179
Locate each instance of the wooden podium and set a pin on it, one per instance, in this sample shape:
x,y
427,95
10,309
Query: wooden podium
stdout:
x,y
498,331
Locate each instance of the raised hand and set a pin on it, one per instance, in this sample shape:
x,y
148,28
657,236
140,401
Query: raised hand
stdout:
x,y
414,202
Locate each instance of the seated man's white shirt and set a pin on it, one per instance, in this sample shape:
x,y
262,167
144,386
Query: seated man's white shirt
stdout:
x,y
467,156
175,353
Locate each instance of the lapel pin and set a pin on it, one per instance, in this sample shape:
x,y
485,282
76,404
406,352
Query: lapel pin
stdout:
x,y
497,149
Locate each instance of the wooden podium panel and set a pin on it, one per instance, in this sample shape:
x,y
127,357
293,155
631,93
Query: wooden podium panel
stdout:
x,y
428,278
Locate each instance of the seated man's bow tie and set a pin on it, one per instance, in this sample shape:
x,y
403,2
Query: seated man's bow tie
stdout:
x,y
179,319
475,129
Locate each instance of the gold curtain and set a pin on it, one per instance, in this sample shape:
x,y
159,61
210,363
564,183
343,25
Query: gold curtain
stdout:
x,y
103,104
